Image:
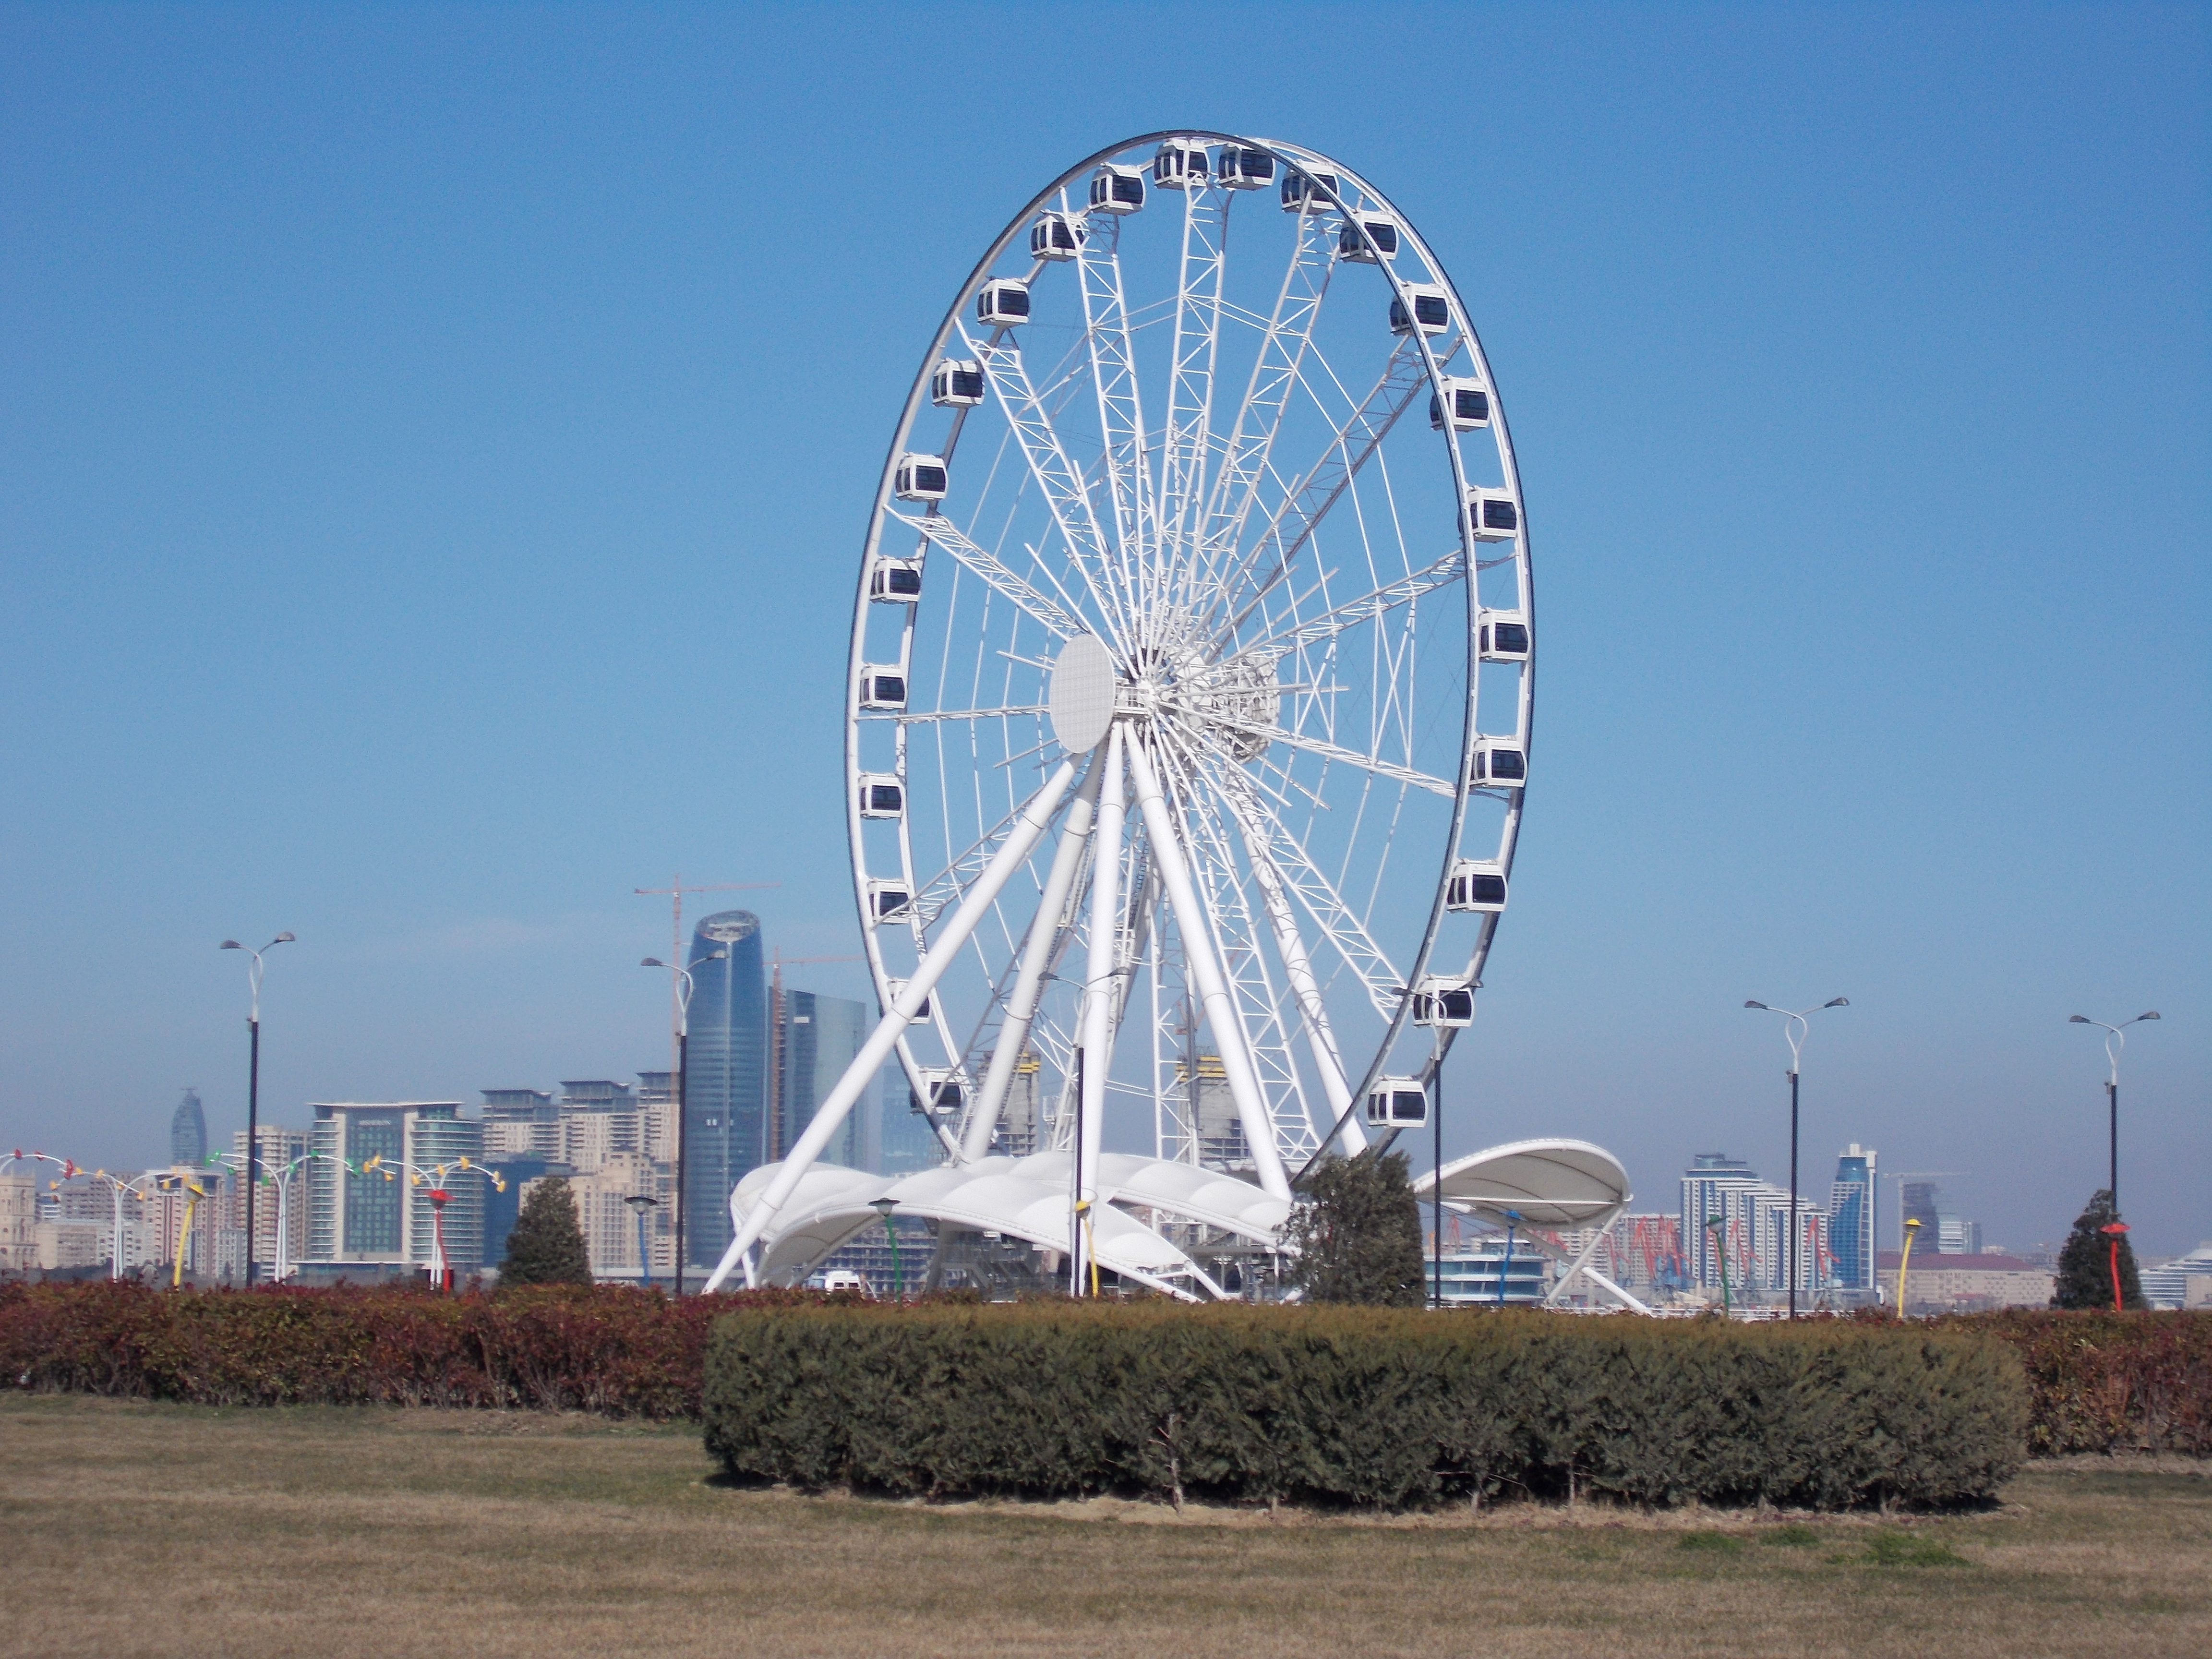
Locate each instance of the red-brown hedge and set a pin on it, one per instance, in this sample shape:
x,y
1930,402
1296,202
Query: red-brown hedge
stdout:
x,y
610,1350
2109,1382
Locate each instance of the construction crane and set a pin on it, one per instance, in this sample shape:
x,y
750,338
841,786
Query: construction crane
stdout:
x,y
775,1038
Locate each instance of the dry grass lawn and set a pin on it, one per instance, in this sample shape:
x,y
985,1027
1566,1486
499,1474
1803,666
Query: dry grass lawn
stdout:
x,y
176,1530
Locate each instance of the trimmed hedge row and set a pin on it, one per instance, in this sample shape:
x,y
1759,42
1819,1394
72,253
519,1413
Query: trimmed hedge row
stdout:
x,y
1358,1406
608,1350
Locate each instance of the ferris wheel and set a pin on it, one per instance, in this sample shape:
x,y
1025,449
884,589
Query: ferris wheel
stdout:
x,y
1189,709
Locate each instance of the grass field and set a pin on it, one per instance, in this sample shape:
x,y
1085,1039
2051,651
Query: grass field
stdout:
x,y
174,1530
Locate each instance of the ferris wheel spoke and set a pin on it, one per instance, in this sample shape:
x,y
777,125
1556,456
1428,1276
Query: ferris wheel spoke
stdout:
x,y
1190,385
1295,635
1114,376
1283,345
1057,478
1350,448
941,532
1331,752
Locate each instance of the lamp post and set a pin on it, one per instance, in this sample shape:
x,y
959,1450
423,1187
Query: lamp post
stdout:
x,y
2116,1040
639,1204
1904,1260
686,986
883,1206
1437,1247
1512,1219
254,1079
433,1181
1793,1027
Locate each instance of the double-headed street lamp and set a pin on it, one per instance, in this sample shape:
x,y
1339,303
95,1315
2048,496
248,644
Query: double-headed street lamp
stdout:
x,y
253,1080
686,986
2116,1039
1793,1027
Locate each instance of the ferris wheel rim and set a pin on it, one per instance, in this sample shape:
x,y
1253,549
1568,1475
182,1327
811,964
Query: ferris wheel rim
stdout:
x,y
883,512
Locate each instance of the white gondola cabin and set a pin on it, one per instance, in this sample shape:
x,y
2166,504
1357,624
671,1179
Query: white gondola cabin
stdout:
x,y
1445,1003
920,478
1493,515
1462,403
897,990
1476,887
1398,1102
1002,303
1498,764
942,1096
1242,166
1501,636
1367,239
1117,189
895,581
881,796
883,689
1056,236
888,901
1430,310
957,383
1300,188
1180,164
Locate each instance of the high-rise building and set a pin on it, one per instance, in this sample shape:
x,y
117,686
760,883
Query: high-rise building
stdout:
x,y
1851,1218
279,1195
600,1119
188,1141
520,1123
358,1217
726,1096
820,1037
1754,1232
896,1138
1917,1202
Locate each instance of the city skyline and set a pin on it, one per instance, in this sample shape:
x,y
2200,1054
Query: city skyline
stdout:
x,y
361,381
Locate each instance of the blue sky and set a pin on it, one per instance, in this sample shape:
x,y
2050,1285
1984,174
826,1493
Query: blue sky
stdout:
x,y
434,445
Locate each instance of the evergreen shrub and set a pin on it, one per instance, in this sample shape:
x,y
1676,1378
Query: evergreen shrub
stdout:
x,y
1360,1406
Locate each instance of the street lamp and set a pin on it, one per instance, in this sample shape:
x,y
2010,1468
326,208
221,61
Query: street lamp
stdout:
x,y
683,1078
1905,1259
883,1206
1793,1027
2116,1040
433,1182
253,1080
1512,1220
639,1204
2113,1232
1717,1226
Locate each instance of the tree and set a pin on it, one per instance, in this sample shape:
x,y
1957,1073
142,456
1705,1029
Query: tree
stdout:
x,y
1359,1240
2085,1266
547,1245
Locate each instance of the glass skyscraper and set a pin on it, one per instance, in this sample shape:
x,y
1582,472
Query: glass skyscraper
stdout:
x,y
1850,1219
188,1131
726,1127
821,1034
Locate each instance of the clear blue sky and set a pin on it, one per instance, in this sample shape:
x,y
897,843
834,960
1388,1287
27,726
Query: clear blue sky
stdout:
x,y
434,444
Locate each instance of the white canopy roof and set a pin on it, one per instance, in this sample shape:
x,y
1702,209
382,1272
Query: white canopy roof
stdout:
x,y
1544,1183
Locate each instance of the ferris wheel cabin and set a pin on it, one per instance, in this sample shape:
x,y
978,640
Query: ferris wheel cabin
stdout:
x,y
1445,1003
1180,164
1477,887
894,581
1002,303
1431,312
881,796
1468,404
1398,1102
1492,515
920,478
1242,168
1498,764
887,902
957,383
896,988
1301,188
941,1097
1367,239
1501,636
1056,236
883,690
1117,189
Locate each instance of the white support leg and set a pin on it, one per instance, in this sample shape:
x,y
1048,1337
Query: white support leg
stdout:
x,y
1213,988
1578,1266
1100,1005
1036,957
1321,1041
829,1117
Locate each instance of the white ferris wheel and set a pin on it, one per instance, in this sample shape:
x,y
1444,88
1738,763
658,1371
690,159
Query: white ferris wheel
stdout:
x,y
1188,718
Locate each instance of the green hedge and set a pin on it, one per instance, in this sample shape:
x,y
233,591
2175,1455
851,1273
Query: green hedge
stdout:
x,y
1359,1407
